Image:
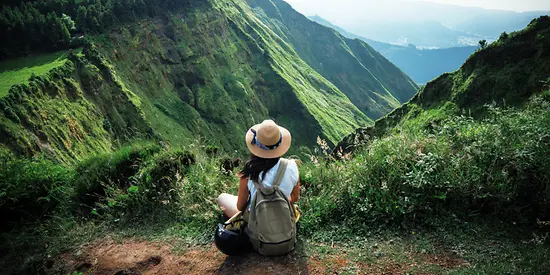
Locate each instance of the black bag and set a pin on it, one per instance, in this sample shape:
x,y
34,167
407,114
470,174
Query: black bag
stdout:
x,y
231,239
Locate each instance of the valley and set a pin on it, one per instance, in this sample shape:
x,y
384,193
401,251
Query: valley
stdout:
x,y
422,65
122,123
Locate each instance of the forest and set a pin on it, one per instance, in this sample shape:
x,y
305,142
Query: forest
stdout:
x,y
49,25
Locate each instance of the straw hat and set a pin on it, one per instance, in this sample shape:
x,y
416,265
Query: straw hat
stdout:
x,y
268,140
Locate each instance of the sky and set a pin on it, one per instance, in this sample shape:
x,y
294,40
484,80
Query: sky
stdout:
x,y
512,5
347,13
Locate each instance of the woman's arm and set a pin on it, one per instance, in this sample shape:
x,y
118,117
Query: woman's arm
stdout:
x,y
295,195
242,197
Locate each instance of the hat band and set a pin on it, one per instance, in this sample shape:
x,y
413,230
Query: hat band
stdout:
x,y
256,142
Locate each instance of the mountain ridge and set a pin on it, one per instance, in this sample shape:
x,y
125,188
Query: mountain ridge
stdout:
x,y
207,72
422,65
372,69
507,72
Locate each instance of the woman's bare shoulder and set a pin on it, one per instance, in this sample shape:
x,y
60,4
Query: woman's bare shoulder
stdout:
x,y
295,159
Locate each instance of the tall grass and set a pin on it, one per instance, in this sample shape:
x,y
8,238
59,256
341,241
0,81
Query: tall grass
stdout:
x,y
426,168
497,166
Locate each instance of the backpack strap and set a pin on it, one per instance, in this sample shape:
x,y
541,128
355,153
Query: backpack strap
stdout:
x,y
280,172
278,178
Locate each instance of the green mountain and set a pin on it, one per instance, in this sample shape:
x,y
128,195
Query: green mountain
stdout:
x,y
370,81
422,65
210,70
506,73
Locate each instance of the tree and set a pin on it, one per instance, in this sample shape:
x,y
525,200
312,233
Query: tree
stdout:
x,y
94,24
68,22
483,44
81,19
65,35
503,37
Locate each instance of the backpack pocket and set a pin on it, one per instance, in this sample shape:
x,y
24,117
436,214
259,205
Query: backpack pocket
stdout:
x,y
277,249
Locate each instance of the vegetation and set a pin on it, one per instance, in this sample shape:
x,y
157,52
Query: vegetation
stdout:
x,y
462,168
155,79
107,141
482,44
38,26
20,70
427,166
371,82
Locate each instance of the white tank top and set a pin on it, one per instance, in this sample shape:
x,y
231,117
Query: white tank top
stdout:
x,y
290,179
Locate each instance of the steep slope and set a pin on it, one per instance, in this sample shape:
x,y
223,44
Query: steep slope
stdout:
x,y
507,72
368,79
231,70
208,72
422,65
78,109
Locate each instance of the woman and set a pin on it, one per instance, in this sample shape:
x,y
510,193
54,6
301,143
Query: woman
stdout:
x,y
267,142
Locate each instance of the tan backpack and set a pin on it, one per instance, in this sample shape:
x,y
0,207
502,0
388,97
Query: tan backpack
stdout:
x,y
272,222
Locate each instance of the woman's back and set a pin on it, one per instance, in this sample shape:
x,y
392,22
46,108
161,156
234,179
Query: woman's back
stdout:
x,y
271,219
290,179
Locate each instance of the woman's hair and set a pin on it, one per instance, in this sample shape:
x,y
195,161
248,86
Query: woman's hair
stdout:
x,y
256,165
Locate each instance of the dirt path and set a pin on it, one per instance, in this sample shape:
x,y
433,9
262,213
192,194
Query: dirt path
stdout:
x,y
139,257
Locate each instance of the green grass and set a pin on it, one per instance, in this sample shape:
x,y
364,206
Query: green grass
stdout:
x,y
452,188
18,71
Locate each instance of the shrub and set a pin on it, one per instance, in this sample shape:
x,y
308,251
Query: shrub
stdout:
x,y
482,44
211,150
109,172
503,37
495,166
159,177
30,189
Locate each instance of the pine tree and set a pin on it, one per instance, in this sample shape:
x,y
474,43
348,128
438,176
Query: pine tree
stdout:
x,y
81,20
68,22
65,35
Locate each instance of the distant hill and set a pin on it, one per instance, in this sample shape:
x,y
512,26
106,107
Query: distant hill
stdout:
x,y
493,24
507,72
422,23
422,65
425,34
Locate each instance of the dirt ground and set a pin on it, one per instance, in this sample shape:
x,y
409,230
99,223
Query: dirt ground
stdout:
x,y
132,257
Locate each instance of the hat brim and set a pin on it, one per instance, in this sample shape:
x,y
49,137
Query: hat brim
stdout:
x,y
269,154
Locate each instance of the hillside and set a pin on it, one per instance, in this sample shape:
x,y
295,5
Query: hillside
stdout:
x,y
368,79
422,65
210,70
506,73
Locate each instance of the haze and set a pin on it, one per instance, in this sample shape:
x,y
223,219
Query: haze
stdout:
x,y
450,12
308,6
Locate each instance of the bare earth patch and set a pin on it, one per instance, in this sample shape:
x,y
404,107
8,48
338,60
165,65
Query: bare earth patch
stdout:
x,y
133,257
